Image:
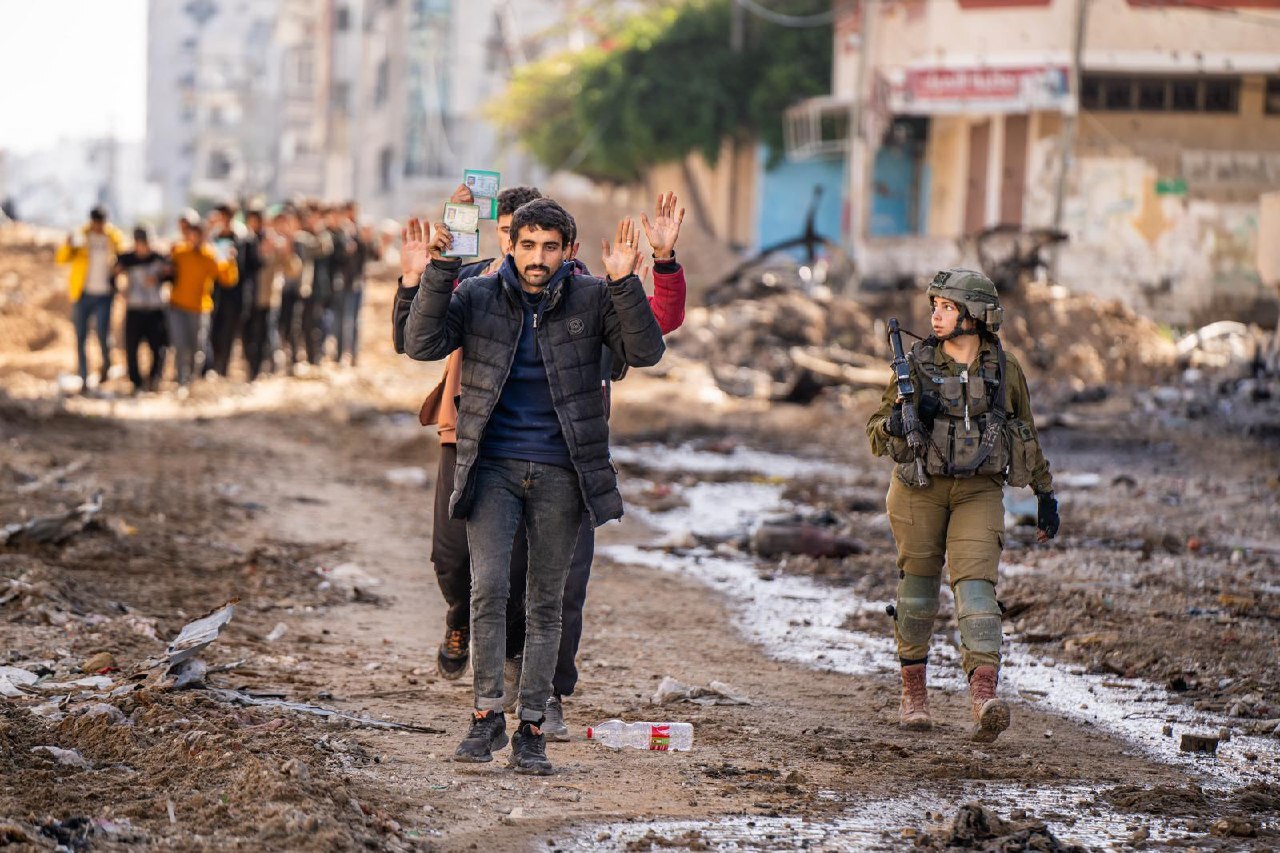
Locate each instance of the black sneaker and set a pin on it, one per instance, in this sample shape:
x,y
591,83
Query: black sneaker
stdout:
x,y
451,659
529,751
488,732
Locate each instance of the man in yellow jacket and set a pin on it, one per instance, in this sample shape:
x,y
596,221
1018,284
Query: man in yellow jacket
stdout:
x,y
196,267
92,252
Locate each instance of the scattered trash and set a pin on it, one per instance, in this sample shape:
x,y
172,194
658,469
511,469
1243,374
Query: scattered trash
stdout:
x,y
1198,743
54,529
351,579
411,476
13,679
241,698
189,672
775,539
198,634
717,693
93,682
69,757
1069,480
52,476
655,737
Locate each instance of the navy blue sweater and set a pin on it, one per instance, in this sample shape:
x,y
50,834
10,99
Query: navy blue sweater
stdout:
x,y
524,423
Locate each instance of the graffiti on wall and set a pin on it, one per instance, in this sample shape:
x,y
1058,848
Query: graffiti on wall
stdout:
x,y
1220,169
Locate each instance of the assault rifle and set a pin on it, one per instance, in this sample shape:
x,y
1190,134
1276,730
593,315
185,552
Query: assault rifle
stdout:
x,y
906,390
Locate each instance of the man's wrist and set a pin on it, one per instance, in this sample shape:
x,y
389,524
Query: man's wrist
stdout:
x,y
665,257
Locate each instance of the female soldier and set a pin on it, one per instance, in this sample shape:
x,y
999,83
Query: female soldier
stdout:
x,y
974,414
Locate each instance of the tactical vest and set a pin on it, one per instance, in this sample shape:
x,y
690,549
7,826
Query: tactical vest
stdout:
x,y
968,434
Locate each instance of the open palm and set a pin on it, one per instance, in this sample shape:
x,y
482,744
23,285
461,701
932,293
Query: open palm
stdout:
x,y
664,230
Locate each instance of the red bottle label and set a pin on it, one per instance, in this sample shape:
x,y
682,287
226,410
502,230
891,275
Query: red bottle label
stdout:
x,y
659,738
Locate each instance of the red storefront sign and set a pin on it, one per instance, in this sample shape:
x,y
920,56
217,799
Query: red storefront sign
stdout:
x,y
997,89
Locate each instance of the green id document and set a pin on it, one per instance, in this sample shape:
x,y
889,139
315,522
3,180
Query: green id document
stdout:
x,y
484,188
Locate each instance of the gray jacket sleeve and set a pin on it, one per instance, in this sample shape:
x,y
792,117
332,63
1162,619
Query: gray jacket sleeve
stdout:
x,y
630,328
437,317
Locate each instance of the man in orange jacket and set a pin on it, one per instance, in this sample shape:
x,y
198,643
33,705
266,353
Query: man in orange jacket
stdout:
x,y
196,266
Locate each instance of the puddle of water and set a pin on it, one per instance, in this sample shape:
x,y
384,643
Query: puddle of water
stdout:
x,y
797,619
660,457
1070,812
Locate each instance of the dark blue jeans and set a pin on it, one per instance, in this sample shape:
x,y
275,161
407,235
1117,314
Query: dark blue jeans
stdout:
x,y
547,498
95,309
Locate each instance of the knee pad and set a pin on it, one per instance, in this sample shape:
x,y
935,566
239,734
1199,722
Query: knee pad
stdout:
x,y
978,613
917,607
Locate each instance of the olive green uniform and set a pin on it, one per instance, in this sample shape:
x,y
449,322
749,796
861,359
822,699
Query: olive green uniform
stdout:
x,y
956,518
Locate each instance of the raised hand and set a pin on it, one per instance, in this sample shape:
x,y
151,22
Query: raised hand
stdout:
x,y
414,253
665,228
462,195
620,260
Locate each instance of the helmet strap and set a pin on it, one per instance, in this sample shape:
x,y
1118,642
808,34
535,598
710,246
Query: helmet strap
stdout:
x,y
959,330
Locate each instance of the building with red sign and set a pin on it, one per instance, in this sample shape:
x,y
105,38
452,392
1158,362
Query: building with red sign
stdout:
x,y
952,116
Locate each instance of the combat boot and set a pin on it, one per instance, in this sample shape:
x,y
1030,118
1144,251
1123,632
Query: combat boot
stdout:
x,y
913,712
990,713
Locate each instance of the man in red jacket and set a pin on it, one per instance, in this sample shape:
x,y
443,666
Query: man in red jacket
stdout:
x,y
449,553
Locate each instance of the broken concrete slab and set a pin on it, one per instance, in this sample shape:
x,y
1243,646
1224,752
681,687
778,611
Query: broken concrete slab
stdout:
x,y
1198,743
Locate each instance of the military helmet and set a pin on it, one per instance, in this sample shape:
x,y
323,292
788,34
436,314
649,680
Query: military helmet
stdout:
x,y
971,289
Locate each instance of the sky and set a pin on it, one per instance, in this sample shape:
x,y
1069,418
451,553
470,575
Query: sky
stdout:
x,y
71,69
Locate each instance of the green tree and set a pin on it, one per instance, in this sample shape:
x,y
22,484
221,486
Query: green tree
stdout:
x,y
663,84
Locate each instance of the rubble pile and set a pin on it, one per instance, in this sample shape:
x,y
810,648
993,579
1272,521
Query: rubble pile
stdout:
x,y
1084,340
788,344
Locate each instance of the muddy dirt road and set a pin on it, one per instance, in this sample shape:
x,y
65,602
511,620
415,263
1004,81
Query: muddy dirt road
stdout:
x,y
308,500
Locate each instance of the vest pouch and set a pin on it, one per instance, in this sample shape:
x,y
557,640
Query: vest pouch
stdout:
x,y
951,388
977,390
1024,450
900,451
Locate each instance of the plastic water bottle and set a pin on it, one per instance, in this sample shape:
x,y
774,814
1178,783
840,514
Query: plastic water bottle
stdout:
x,y
659,737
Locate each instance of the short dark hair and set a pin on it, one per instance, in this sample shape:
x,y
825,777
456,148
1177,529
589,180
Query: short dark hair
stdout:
x,y
98,214
140,235
510,199
226,210
544,214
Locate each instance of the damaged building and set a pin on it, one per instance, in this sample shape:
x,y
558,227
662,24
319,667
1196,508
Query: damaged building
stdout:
x,y
949,117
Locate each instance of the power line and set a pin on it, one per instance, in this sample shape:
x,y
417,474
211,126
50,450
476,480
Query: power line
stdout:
x,y
821,19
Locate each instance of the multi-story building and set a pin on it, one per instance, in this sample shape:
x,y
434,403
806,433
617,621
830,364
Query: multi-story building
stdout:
x,y
378,100
950,116
210,110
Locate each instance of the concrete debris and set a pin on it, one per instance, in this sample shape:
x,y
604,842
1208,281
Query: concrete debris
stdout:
x,y
69,757
54,529
13,679
775,539
1198,743
717,693
976,827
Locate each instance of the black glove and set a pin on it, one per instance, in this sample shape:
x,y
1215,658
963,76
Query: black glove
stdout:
x,y
930,406
1047,514
894,425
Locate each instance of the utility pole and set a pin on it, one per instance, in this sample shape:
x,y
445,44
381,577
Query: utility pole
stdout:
x,y
860,146
1070,123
